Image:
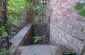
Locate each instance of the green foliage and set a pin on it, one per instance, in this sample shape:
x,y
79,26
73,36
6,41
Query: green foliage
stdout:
x,y
3,31
3,51
11,47
37,39
82,12
69,53
81,8
0,39
4,34
5,28
1,21
10,27
39,9
14,10
2,28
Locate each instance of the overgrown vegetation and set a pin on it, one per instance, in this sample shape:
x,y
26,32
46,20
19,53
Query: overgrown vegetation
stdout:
x,y
14,10
4,39
3,36
38,39
39,8
16,7
3,30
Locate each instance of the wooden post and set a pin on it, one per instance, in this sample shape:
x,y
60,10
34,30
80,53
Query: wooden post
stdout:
x,y
4,17
49,28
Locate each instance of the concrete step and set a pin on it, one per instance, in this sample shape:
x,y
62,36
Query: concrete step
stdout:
x,y
37,50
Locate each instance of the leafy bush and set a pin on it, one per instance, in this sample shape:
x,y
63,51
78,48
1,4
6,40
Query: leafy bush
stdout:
x,y
14,10
39,9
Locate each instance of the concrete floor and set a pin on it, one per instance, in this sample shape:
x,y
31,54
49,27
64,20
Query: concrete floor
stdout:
x,y
38,50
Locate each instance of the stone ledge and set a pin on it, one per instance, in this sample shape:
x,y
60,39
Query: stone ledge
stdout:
x,y
17,39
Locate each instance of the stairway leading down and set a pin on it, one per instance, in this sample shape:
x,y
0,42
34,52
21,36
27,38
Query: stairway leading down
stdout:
x,y
37,50
21,49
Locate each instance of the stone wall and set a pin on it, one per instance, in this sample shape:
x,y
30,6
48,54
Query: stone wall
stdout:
x,y
66,26
40,29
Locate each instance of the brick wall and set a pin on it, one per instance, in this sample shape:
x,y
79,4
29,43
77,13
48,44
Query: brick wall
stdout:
x,y
66,26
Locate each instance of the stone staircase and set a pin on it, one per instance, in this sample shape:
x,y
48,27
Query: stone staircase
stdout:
x,y
21,42
21,49
37,50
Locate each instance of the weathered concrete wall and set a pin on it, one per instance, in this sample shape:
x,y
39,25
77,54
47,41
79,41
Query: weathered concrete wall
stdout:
x,y
40,29
66,26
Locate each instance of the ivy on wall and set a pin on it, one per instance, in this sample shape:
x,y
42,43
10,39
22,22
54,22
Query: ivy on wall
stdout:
x,y
81,8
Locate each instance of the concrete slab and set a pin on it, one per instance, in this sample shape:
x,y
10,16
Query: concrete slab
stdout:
x,y
17,39
39,50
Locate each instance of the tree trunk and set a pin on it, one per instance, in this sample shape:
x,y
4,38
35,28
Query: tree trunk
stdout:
x,y
4,11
